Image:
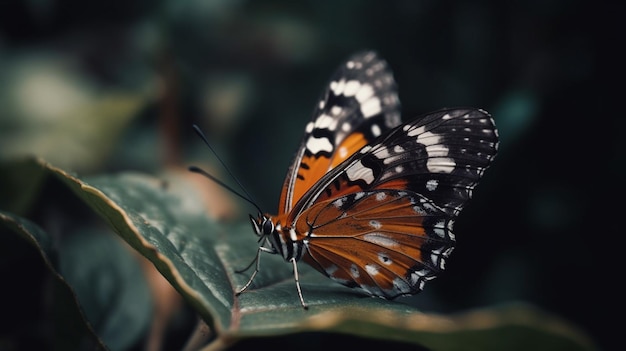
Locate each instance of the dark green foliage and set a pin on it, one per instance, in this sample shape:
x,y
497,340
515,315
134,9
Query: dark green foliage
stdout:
x,y
199,257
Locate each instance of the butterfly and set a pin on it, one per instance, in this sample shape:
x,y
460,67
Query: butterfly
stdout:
x,y
369,201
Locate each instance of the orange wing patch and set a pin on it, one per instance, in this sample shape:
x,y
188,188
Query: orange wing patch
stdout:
x,y
309,171
373,267
312,168
385,241
353,143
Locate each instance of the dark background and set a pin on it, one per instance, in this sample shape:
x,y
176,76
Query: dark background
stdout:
x,y
543,226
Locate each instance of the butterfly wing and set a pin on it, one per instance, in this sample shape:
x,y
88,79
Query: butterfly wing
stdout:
x,y
386,242
382,220
440,156
359,104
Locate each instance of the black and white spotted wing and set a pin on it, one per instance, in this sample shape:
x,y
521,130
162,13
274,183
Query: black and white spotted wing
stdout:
x,y
359,104
440,156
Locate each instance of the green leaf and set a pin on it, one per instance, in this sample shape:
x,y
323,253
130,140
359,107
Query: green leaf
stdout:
x,y
109,283
70,328
165,221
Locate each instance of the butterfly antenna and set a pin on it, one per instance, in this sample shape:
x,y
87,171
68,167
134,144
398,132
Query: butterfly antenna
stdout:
x,y
246,196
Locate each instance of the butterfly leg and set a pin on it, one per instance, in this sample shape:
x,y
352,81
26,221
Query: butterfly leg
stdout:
x,y
257,260
295,275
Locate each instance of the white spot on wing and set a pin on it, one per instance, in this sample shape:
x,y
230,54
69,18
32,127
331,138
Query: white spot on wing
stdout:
x,y
323,121
335,110
438,162
450,224
337,87
371,107
417,276
354,271
380,239
375,130
419,210
343,152
437,150
364,93
384,258
375,224
346,126
402,286
441,165
358,171
351,88
432,184
436,258
387,156
366,149
316,145
439,229
339,202
414,132
372,269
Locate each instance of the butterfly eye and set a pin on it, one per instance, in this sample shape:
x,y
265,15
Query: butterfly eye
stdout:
x,y
268,226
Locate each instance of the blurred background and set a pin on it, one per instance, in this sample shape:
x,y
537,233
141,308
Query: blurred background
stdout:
x,y
100,87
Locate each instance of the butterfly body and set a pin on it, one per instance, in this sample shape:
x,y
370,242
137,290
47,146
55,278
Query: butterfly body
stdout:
x,y
371,202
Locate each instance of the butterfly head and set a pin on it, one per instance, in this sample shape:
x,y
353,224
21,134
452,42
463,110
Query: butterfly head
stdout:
x,y
262,225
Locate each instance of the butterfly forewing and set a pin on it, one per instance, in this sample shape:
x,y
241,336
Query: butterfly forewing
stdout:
x,y
359,104
386,242
440,156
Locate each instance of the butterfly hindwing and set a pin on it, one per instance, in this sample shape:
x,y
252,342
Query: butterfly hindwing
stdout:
x,y
386,242
359,104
